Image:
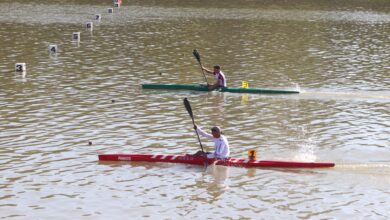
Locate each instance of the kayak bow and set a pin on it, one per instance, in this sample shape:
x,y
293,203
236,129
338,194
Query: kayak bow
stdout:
x,y
200,87
235,162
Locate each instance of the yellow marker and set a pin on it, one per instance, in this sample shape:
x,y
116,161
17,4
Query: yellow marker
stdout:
x,y
245,84
252,154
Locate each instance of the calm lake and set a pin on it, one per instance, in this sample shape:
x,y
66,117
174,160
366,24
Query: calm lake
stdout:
x,y
87,99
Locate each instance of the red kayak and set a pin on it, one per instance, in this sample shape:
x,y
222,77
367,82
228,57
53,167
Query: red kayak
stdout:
x,y
189,159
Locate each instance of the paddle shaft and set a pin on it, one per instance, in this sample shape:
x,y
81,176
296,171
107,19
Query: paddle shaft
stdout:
x,y
200,143
197,56
204,75
189,110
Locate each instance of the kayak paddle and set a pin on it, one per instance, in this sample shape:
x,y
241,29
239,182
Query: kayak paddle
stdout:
x,y
189,110
197,56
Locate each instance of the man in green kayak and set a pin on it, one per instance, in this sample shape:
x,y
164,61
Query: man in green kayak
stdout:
x,y
218,75
221,144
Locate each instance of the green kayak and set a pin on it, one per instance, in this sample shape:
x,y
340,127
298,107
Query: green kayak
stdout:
x,y
200,87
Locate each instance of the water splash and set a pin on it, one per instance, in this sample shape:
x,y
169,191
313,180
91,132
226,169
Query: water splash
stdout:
x,y
307,147
352,95
297,87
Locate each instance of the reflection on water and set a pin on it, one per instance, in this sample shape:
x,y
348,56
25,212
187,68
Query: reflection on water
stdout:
x,y
220,175
338,54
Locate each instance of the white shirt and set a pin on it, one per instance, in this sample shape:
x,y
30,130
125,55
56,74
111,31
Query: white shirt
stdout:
x,y
220,77
221,145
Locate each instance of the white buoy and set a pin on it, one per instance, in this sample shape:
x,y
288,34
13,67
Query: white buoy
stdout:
x,y
53,48
89,26
76,36
20,67
98,17
110,10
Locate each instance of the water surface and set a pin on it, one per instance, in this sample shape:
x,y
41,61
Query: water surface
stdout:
x,y
336,53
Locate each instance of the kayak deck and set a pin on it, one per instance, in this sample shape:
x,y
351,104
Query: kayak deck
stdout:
x,y
200,87
189,159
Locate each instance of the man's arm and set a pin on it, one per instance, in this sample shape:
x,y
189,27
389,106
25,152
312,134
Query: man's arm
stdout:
x,y
204,134
207,70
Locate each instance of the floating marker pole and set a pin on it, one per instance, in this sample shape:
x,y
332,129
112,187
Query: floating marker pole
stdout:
x,y
98,17
53,48
252,154
244,85
20,67
76,36
244,97
89,26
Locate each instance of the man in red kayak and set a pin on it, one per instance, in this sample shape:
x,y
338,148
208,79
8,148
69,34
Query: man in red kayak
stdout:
x,y
219,76
221,144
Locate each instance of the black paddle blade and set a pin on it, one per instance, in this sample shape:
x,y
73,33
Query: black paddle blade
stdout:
x,y
196,55
188,107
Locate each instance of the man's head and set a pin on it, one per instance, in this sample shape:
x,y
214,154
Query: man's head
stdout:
x,y
217,68
216,131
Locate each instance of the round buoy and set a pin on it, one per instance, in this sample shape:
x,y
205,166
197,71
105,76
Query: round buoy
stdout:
x,y
113,101
90,143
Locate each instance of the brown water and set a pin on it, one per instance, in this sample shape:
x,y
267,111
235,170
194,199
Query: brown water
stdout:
x,y
336,53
